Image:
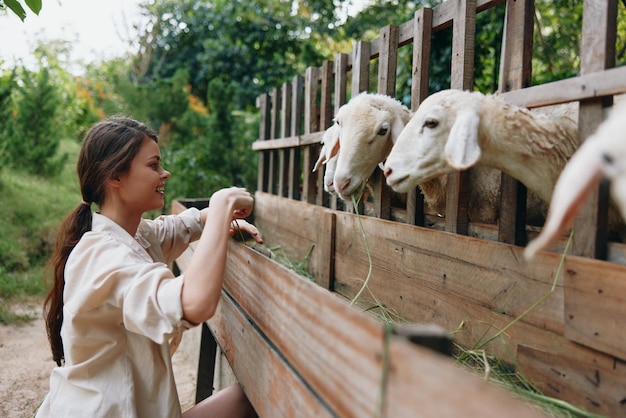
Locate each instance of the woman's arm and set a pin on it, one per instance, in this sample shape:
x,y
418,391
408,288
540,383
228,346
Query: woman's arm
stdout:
x,y
205,274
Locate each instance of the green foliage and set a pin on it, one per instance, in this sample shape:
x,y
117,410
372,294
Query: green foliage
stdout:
x,y
256,45
7,85
556,42
16,7
208,152
32,139
32,209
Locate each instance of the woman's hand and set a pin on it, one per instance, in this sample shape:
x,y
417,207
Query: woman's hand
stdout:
x,y
241,225
237,198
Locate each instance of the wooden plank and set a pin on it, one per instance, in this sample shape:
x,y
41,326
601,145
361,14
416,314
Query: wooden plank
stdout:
x,y
295,168
263,103
285,126
595,304
287,110
387,65
298,229
293,141
326,120
599,84
311,124
487,274
597,53
515,74
462,77
341,80
277,300
271,385
422,33
360,67
276,107
590,380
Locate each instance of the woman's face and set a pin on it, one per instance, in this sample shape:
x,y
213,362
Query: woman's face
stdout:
x,y
143,186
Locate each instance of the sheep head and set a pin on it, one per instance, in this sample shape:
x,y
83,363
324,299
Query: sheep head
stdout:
x,y
442,136
328,156
368,125
602,155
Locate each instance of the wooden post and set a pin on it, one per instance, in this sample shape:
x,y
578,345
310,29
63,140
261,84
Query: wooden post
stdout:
x,y
422,33
515,74
263,104
311,124
387,65
463,37
597,54
297,109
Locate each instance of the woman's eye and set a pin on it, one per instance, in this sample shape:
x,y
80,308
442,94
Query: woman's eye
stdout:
x,y
430,123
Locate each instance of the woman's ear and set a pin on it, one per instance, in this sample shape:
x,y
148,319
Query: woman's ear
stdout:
x,y
114,181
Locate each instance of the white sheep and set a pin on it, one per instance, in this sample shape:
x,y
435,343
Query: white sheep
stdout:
x,y
601,155
368,126
454,130
361,138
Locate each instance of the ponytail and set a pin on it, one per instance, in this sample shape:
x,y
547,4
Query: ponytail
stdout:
x,y
70,232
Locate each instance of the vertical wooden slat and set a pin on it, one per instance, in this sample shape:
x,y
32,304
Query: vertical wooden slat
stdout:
x,y
272,180
284,154
360,67
297,110
360,83
311,124
597,53
463,37
264,133
341,84
515,74
341,80
387,65
422,33
326,120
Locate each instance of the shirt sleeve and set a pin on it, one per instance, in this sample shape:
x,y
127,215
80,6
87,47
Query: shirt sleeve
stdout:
x,y
104,274
175,232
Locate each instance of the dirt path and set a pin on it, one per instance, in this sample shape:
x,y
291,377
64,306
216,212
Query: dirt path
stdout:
x,y
25,364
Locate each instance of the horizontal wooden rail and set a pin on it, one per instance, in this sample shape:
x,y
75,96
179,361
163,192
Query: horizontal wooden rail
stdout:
x,y
475,287
341,354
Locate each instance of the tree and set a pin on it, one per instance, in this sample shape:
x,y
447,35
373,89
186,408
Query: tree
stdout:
x,y
33,138
7,86
18,9
255,44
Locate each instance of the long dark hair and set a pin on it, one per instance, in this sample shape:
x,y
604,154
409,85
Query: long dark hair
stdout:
x,y
106,152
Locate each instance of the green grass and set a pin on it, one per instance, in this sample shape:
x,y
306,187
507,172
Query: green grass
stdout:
x,y
32,208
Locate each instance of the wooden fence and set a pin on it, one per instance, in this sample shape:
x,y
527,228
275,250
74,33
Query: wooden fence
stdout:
x,y
562,327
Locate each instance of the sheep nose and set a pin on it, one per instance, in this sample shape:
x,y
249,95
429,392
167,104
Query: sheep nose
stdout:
x,y
342,184
387,171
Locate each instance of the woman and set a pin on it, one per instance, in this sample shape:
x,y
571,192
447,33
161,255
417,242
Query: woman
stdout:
x,y
115,305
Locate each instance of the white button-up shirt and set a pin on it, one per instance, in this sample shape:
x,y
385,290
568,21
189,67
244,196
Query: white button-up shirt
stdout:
x,y
122,305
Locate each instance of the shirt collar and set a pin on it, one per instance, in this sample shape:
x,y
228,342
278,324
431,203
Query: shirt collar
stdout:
x,y
101,223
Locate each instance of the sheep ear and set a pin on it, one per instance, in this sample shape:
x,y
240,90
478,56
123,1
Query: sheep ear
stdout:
x,y
582,174
462,149
396,127
330,148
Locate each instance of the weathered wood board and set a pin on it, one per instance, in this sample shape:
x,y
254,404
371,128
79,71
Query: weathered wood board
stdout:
x,y
476,287
338,351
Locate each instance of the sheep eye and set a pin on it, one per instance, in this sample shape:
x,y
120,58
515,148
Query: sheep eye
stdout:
x,y
383,131
430,123
607,158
